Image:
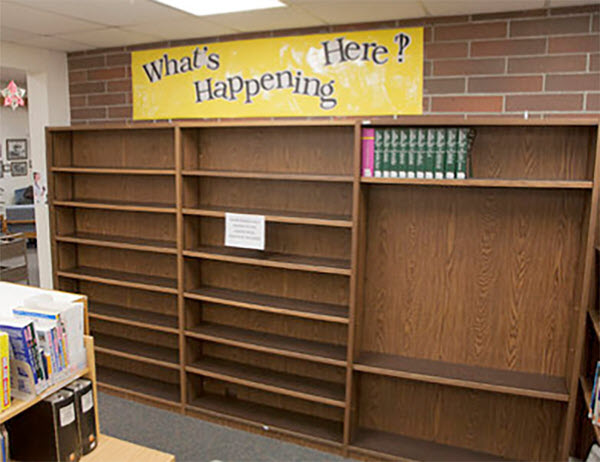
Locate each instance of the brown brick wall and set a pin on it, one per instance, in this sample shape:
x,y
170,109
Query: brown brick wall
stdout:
x,y
546,62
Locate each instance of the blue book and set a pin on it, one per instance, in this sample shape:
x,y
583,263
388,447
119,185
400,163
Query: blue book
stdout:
x,y
17,330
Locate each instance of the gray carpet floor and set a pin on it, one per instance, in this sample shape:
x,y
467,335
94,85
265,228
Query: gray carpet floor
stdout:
x,y
194,440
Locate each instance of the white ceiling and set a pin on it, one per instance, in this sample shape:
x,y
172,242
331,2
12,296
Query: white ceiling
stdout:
x,y
73,25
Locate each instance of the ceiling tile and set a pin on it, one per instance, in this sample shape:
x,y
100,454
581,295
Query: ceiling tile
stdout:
x,y
270,19
109,12
110,37
342,12
39,22
55,43
8,34
182,29
456,7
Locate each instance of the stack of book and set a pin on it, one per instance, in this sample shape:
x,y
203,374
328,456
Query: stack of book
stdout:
x,y
594,410
428,153
40,341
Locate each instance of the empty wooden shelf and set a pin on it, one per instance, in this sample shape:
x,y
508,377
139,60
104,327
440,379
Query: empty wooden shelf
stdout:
x,y
271,343
138,385
126,206
270,418
272,304
119,242
380,444
275,216
271,259
153,354
114,171
134,317
270,175
140,281
459,375
296,386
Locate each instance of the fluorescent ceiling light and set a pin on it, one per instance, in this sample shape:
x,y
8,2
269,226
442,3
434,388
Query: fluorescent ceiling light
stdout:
x,y
208,7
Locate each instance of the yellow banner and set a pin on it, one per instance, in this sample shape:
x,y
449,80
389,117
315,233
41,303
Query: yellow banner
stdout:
x,y
377,72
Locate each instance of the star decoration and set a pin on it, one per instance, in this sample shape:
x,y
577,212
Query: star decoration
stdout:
x,y
13,95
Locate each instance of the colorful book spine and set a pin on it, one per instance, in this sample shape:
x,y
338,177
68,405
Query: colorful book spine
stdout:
x,y
451,145
20,347
378,153
594,395
430,153
462,150
368,147
394,149
413,145
440,153
421,153
4,371
402,151
386,164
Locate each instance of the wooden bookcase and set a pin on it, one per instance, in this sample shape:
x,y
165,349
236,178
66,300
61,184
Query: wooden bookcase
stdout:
x,y
387,318
586,433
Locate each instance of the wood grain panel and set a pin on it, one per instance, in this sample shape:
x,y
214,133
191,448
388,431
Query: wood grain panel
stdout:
x,y
326,288
129,261
275,324
307,197
130,366
289,239
242,393
126,188
512,427
98,326
276,149
481,278
159,227
545,153
277,363
132,298
62,152
124,148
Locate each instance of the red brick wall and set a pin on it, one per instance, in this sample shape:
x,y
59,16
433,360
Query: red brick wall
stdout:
x,y
546,62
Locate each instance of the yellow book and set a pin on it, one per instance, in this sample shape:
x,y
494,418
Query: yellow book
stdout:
x,y
5,371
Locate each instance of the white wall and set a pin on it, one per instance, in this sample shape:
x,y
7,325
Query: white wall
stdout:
x,y
13,124
48,90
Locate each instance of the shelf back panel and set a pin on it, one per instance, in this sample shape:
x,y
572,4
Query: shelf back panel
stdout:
x,y
292,239
198,349
304,197
128,261
545,153
301,149
478,277
140,148
509,426
128,189
130,298
306,329
241,393
325,288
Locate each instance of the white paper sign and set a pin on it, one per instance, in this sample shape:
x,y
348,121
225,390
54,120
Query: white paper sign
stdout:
x,y
87,402
246,231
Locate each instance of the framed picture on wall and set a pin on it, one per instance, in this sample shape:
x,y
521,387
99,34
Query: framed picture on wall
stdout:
x,y
18,168
16,149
